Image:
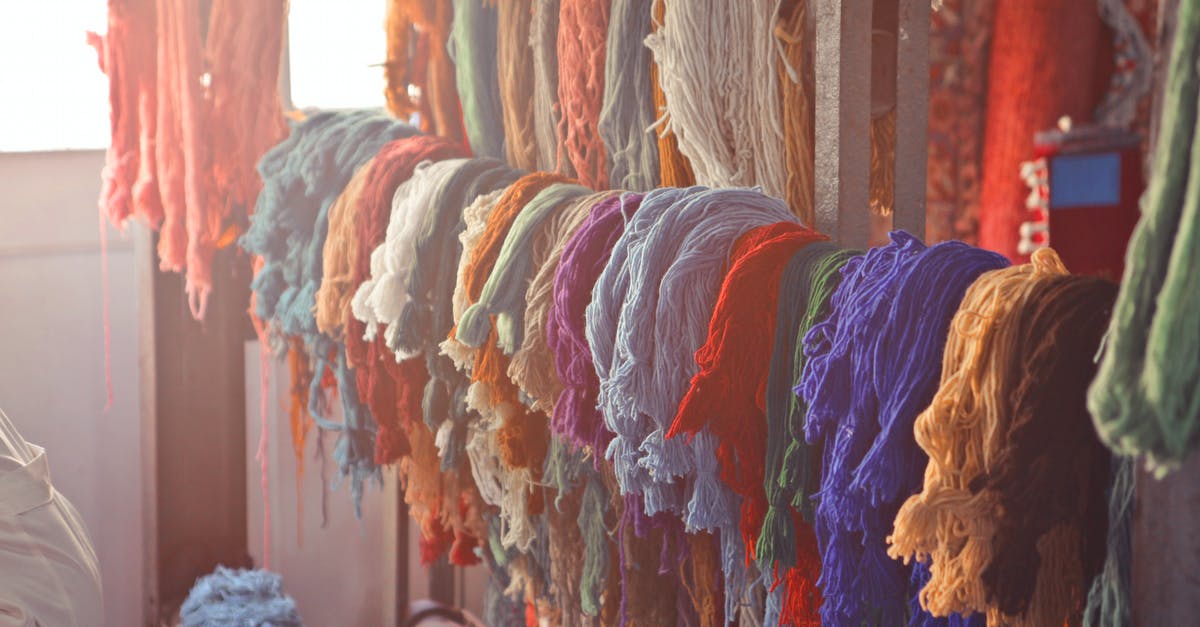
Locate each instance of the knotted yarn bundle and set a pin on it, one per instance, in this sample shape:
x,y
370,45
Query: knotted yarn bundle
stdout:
x,y
627,112
547,114
873,365
418,64
1050,473
472,47
675,278
392,390
337,257
733,134
494,323
302,178
530,367
727,395
583,260
602,317
797,93
582,35
1144,399
804,291
427,316
381,297
950,524
514,67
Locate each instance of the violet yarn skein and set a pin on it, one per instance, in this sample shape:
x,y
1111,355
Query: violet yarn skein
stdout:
x,y
584,258
874,364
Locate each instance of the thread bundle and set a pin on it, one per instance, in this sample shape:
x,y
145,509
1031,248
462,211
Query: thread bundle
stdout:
x,y
1144,400
980,418
194,104
635,318
458,302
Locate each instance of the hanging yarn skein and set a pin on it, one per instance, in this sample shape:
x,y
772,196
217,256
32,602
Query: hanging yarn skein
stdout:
x,y
472,48
733,134
871,463
530,367
288,231
583,259
627,113
990,412
392,389
792,467
582,35
338,255
1144,400
952,432
514,68
602,319
674,169
797,89
547,113
419,64
1052,471
727,394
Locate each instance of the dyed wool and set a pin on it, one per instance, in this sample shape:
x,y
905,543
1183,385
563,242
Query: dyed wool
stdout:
x,y
531,367
543,40
679,264
803,288
427,317
674,169
514,61
797,93
582,31
627,112
871,462
380,299
960,432
472,48
239,597
288,231
583,259
733,135
339,251
392,389
602,316
1051,471
129,185
1144,399
475,221
523,434
182,154
566,541
1109,603
417,57
728,393
1027,443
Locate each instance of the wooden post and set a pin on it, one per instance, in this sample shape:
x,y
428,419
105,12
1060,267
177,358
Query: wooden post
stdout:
x,y
912,115
194,421
844,72
843,118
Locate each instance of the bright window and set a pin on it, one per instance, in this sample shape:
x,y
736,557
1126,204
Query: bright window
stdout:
x,y
55,96
336,53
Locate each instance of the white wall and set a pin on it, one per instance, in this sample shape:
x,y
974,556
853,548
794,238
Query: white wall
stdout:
x,y
52,354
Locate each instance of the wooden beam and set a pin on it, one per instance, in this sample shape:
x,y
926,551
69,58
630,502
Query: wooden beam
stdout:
x,y
912,115
843,118
194,421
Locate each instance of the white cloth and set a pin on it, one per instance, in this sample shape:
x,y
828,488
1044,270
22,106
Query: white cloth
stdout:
x,y
48,571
